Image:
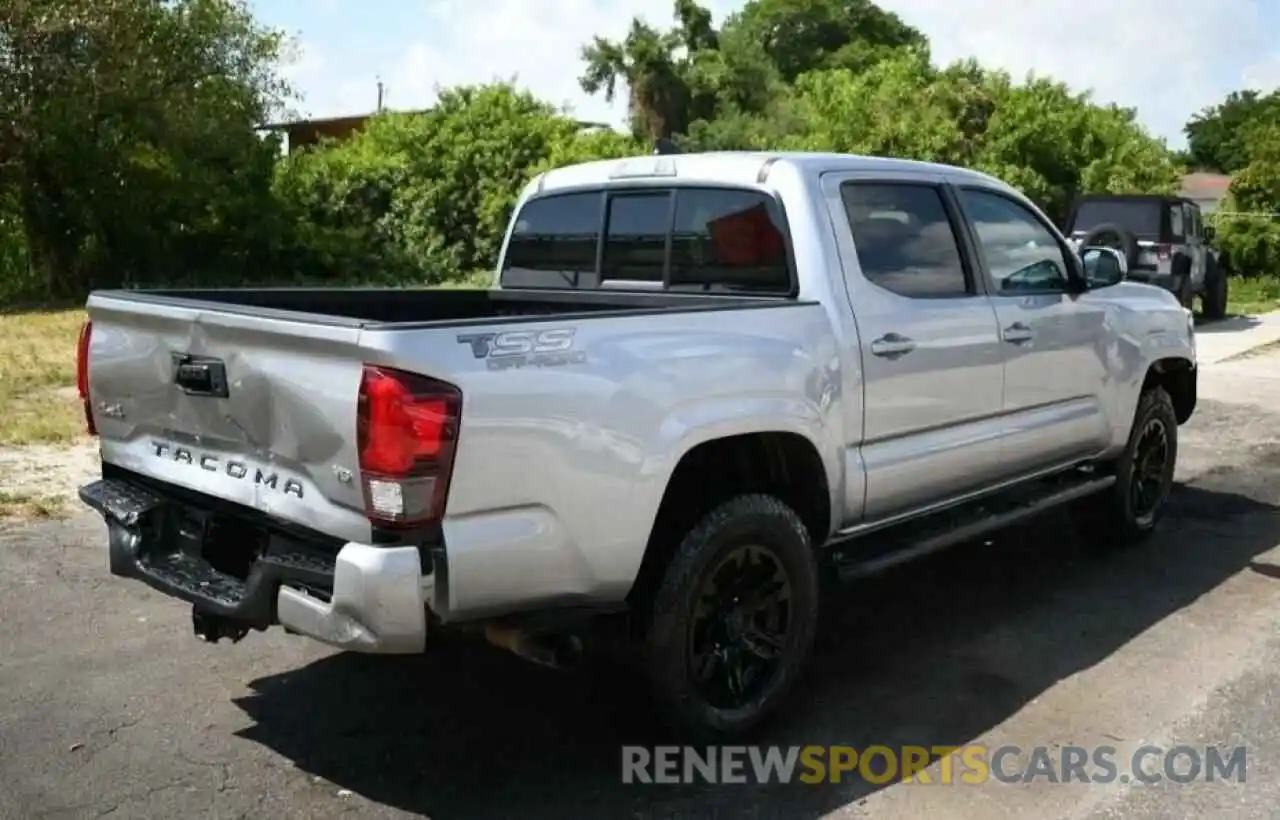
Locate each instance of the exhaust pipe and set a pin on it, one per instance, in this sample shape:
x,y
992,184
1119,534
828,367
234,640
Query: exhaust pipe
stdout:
x,y
550,650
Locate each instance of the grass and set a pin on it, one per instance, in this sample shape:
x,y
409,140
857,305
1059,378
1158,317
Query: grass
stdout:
x,y
16,504
38,402
1259,294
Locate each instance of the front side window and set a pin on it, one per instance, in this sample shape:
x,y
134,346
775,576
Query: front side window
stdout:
x,y
1020,252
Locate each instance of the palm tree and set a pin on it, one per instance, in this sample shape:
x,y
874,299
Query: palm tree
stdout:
x,y
653,65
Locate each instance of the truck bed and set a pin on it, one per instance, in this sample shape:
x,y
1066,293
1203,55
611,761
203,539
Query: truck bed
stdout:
x,y
184,385
373,307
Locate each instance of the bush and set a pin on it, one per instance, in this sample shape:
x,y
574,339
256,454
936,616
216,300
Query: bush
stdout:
x,y
423,199
1250,244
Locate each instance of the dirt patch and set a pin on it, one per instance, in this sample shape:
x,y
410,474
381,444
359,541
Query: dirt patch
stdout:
x,y
42,480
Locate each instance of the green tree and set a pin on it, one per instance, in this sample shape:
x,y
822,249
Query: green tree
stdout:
x,y
1217,137
1038,135
800,36
127,136
425,198
655,67
1249,228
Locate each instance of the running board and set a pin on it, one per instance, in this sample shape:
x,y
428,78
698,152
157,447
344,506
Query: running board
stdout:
x,y
871,555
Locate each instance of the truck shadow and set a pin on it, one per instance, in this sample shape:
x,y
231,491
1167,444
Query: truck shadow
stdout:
x,y
933,654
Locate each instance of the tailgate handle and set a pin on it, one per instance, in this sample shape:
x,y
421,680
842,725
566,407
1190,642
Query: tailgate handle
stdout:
x,y
200,375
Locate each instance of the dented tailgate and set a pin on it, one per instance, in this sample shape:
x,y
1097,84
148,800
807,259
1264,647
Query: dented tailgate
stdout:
x,y
256,410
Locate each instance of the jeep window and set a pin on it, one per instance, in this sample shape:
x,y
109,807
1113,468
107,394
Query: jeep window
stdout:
x,y
904,240
1020,252
1141,217
725,236
553,242
1175,221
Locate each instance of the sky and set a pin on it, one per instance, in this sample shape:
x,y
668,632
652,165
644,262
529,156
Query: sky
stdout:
x,y
1168,58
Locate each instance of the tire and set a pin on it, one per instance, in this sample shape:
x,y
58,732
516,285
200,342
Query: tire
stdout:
x,y
1186,295
1116,236
1114,517
1214,300
758,527
1183,287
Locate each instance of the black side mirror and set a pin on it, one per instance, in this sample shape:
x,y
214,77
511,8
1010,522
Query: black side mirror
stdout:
x,y
1103,266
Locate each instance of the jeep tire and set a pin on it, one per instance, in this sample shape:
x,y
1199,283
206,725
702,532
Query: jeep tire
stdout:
x,y
1214,300
732,621
1115,236
1183,287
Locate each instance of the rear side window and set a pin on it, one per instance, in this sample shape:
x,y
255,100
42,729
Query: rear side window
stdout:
x,y
553,243
1175,221
686,237
904,239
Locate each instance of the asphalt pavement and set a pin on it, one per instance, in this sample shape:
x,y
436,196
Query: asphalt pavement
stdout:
x,y
110,707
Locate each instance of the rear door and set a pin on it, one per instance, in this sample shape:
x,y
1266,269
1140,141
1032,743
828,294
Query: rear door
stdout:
x,y
931,356
1052,341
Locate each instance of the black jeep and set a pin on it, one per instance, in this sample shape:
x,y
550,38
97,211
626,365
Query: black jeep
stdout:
x,y
1162,238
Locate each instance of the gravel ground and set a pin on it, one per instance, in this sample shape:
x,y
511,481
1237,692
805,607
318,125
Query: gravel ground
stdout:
x,y
46,470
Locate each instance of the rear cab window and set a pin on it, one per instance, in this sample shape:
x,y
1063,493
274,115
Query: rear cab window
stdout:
x,y
686,238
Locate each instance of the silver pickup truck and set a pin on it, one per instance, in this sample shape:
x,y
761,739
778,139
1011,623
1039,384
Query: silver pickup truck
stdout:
x,y
701,386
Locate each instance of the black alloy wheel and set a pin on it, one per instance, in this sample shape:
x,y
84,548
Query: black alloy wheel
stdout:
x,y
1150,463
740,626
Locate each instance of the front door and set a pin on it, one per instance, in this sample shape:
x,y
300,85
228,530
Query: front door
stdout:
x,y
931,356
1054,343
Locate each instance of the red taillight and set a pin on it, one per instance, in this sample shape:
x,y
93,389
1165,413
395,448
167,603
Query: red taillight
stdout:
x,y
407,425
82,375
1163,252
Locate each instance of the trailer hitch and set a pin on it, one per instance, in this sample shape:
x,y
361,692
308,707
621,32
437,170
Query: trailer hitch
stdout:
x,y
213,628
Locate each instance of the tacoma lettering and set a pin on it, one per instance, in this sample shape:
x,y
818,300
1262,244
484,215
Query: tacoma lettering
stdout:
x,y
234,469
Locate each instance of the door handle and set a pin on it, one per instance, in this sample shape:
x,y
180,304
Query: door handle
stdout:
x,y
200,375
891,345
1018,333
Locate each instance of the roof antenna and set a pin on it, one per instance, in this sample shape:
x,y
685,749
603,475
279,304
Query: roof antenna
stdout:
x,y
664,145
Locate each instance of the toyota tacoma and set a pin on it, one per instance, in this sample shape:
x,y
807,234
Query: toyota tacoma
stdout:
x,y
699,387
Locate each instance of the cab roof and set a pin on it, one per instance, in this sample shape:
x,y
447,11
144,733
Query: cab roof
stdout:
x,y
739,167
